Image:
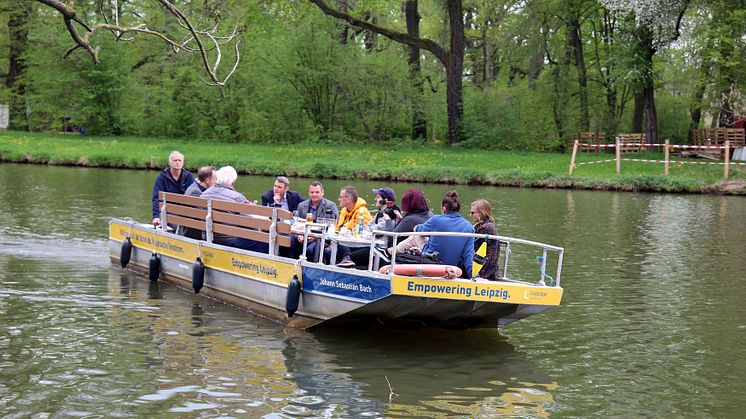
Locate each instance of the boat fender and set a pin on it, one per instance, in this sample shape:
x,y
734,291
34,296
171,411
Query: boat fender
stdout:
x,y
198,275
293,297
154,266
126,252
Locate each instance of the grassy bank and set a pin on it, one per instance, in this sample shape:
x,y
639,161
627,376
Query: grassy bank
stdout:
x,y
401,163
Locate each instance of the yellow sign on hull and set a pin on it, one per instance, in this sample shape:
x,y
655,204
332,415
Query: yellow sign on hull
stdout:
x,y
263,269
493,291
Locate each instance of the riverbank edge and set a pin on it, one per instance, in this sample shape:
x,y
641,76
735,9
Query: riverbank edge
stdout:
x,y
516,179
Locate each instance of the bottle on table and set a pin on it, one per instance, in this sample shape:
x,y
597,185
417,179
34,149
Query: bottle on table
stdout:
x,y
359,226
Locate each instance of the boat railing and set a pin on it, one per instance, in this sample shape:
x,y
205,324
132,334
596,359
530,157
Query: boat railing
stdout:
x,y
375,254
541,259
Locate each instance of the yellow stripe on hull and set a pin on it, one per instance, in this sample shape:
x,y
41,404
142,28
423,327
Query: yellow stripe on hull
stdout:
x,y
493,291
258,268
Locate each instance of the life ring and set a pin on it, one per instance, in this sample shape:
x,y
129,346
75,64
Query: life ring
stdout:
x,y
438,271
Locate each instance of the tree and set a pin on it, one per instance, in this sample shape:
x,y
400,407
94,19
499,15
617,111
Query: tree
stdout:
x,y
452,58
18,20
205,42
658,23
419,122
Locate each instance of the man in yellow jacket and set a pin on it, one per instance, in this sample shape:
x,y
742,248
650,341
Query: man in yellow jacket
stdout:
x,y
352,207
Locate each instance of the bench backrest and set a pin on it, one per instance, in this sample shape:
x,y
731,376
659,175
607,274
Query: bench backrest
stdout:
x,y
263,224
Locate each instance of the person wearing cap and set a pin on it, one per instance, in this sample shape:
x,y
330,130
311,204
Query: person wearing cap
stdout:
x,y
386,218
388,213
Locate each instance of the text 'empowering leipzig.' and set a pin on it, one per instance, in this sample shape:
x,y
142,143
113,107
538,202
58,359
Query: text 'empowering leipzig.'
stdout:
x,y
267,283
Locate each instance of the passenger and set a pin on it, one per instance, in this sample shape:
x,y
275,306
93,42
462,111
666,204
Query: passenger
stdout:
x,y
415,209
320,208
416,212
205,179
224,190
173,179
481,213
280,196
456,251
352,208
388,213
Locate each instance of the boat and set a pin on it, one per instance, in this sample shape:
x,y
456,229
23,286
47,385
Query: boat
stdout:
x,y
306,294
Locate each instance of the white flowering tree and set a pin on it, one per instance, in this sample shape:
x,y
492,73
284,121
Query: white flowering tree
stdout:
x,y
656,23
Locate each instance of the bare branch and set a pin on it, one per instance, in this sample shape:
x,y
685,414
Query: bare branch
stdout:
x,y
194,34
424,43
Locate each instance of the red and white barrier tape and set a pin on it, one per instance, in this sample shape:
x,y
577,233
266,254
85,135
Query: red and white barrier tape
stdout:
x,y
700,147
687,162
593,162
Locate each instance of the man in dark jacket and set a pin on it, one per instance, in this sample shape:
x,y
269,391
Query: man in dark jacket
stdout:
x,y
173,179
281,196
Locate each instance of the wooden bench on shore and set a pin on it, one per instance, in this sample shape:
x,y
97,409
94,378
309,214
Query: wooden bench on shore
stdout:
x,y
253,222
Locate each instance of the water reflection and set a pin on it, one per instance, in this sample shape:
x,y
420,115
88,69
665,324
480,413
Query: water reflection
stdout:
x,y
242,363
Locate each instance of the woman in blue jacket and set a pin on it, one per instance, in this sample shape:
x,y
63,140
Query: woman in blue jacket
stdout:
x,y
456,251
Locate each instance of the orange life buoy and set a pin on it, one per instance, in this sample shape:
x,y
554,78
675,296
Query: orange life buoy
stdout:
x,y
443,271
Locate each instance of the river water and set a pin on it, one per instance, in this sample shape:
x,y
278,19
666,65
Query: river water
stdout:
x,y
652,323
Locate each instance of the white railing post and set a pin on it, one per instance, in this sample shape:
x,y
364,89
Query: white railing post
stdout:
x,y
164,216
274,248
208,222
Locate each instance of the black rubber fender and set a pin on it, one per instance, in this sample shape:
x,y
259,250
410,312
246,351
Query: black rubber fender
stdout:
x,y
198,275
293,296
126,253
154,267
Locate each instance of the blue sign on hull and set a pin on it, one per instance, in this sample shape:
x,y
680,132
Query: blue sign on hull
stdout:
x,y
346,285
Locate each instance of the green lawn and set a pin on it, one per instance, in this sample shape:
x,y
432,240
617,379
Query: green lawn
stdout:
x,y
405,163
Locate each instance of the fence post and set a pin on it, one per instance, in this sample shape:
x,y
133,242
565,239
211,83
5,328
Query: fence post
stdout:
x,y
618,157
665,158
572,160
727,160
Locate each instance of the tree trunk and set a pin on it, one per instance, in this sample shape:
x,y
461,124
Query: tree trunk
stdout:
x,y
419,122
454,71
18,33
638,112
699,93
612,118
573,38
651,113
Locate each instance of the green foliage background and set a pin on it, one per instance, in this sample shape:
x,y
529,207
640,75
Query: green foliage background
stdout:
x,y
297,82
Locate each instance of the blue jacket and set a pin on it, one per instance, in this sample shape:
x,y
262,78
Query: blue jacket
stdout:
x,y
164,182
456,251
294,198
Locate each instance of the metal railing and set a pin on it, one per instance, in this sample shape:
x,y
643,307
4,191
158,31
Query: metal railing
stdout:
x,y
503,240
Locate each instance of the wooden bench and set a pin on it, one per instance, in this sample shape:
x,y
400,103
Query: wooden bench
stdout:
x,y
586,138
632,143
253,222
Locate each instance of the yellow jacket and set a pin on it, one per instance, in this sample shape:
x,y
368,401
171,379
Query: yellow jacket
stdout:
x,y
349,218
